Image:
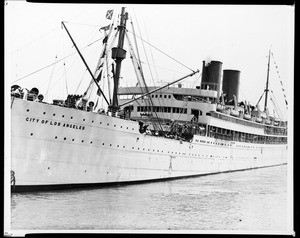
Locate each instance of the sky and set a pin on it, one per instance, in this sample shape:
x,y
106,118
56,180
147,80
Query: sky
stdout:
x,y
240,36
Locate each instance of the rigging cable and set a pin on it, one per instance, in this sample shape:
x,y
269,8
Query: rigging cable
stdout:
x,y
47,66
277,108
46,94
140,76
66,81
83,75
45,34
92,85
159,103
282,88
150,48
149,103
164,53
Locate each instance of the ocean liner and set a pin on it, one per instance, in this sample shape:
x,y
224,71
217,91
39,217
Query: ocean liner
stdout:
x,y
146,133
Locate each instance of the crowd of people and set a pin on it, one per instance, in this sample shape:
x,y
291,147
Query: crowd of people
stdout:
x,y
24,93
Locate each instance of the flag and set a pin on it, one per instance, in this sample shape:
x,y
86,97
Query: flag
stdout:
x,y
99,92
99,77
105,28
109,14
105,39
100,66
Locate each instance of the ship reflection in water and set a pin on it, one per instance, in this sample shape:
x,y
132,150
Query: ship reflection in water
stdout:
x,y
247,200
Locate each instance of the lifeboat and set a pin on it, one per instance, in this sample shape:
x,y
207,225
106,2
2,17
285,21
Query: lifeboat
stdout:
x,y
219,108
247,116
234,113
268,122
259,120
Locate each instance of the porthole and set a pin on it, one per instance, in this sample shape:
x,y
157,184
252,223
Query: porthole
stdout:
x,y
82,141
71,117
121,126
132,128
55,137
138,148
110,144
92,121
117,145
123,146
102,143
114,125
63,116
27,110
83,119
72,139
126,127
31,134
107,124
65,138
91,142
53,114
132,147
100,122
44,113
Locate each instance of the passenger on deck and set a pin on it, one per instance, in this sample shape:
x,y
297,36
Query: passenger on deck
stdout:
x,y
16,92
101,111
40,98
25,93
148,132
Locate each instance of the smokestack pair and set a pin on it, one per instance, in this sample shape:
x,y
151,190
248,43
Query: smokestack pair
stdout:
x,y
211,79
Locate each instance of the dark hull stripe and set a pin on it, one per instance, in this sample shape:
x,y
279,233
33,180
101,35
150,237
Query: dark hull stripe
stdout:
x,y
39,188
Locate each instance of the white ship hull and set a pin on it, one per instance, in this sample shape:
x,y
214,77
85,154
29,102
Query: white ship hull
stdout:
x,y
59,147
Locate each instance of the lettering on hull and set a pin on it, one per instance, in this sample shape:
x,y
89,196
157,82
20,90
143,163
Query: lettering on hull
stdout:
x,y
54,123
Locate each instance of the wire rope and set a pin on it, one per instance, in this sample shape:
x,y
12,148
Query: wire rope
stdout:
x,y
47,66
163,53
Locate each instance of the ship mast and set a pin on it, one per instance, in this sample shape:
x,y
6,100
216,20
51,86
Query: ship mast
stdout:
x,y
118,54
267,84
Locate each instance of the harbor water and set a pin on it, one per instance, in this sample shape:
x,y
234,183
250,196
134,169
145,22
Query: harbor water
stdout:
x,y
246,200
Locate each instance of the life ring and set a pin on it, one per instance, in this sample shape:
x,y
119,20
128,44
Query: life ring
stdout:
x,y
194,119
